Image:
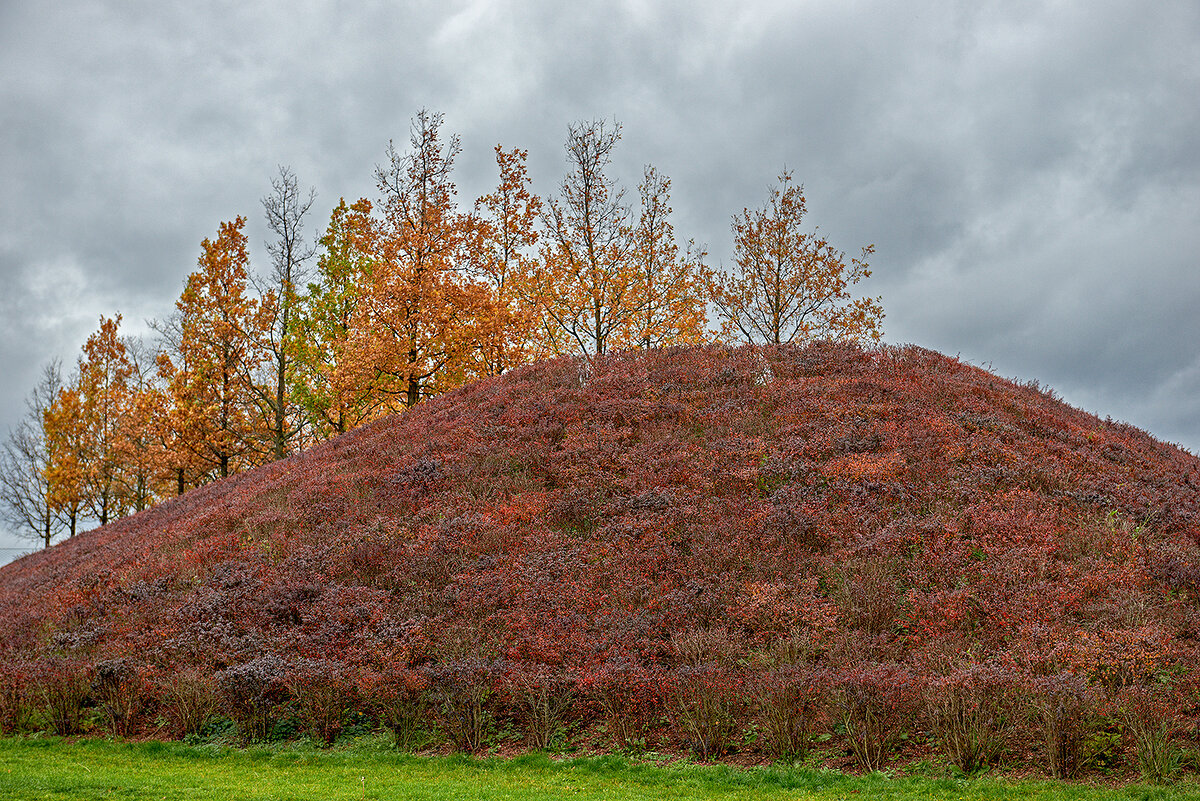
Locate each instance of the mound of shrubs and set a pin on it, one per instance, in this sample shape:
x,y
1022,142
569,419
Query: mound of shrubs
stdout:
x,y
857,557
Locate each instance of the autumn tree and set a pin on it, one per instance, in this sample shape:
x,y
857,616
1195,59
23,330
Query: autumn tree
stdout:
x,y
179,430
502,252
586,283
668,306
789,284
102,387
285,209
419,316
24,459
64,426
332,389
140,447
215,349
85,426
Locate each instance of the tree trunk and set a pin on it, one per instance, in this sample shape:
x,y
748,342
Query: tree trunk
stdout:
x,y
413,395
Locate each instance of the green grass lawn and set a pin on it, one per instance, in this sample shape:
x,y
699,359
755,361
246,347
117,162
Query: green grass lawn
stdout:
x,y
58,769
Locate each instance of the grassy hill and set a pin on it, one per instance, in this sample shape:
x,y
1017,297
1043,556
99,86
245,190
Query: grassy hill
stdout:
x,y
681,546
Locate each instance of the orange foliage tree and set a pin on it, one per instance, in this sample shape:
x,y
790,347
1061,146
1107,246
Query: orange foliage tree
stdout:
x,y
140,446
103,426
103,389
214,425
668,297
419,317
501,252
791,285
64,427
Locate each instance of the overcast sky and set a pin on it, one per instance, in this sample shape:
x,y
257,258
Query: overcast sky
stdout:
x,y
1028,172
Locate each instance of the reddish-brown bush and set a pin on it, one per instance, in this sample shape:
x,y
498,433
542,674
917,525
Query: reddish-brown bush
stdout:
x,y
401,697
630,697
17,709
251,693
61,688
708,707
464,693
1064,711
117,689
188,697
1151,722
973,711
540,696
322,694
787,703
876,703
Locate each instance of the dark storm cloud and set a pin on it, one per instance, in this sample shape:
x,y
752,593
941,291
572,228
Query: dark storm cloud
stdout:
x,y
1029,172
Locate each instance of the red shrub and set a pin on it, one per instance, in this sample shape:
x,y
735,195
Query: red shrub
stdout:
x,y
401,697
1063,708
786,702
251,693
972,712
876,703
464,693
117,687
322,694
541,696
188,697
1120,658
1150,719
707,707
629,696
61,693
868,591
17,709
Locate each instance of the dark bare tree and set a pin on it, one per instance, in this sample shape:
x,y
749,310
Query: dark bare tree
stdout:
x,y
285,209
24,490
587,281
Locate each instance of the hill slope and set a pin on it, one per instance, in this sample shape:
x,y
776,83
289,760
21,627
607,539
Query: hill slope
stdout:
x,y
750,507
